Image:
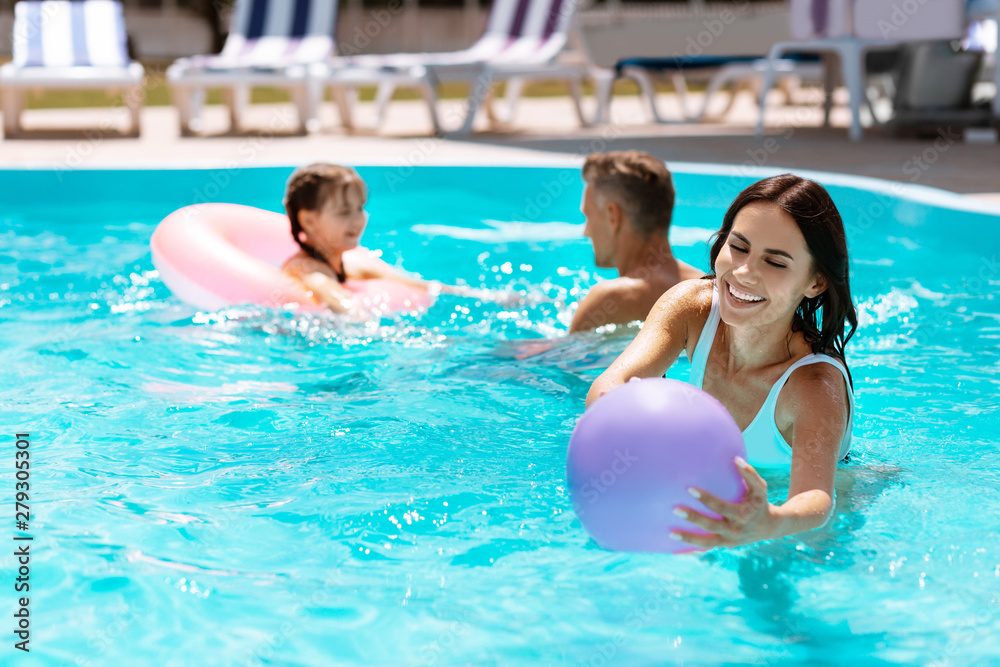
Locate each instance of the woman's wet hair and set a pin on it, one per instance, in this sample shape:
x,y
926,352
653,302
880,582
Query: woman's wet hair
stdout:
x,y
311,187
823,319
640,184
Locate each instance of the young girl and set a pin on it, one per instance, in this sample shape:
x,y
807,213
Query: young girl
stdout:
x,y
765,334
325,205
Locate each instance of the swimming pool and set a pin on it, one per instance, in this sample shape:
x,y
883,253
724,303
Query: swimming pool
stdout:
x,y
256,487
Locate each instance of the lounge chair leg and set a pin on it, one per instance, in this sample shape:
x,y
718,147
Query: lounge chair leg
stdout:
x,y
344,99
576,92
198,96
680,85
851,59
189,102
13,104
305,98
382,98
768,83
733,94
604,83
717,83
482,87
648,90
314,98
429,93
182,102
515,87
829,84
134,98
237,98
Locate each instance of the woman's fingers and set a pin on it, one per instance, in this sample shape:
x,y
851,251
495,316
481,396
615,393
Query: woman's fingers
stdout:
x,y
706,541
700,520
750,475
717,505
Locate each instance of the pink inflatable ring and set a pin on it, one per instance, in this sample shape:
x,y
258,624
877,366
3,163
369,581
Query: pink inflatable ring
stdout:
x,y
217,255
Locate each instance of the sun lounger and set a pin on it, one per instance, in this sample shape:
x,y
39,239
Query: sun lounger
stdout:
x,y
61,44
271,43
522,42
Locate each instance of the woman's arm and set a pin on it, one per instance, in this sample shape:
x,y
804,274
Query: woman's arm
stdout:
x,y
815,410
663,337
814,413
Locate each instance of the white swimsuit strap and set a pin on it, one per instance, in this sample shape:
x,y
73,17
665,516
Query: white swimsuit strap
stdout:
x,y
771,404
699,359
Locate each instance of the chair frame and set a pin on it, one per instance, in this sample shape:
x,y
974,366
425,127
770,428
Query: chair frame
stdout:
x,y
190,81
847,43
342,79
16,81
738,74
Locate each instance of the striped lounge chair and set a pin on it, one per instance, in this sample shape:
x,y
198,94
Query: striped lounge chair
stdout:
x,y
522,42
61,44
271,43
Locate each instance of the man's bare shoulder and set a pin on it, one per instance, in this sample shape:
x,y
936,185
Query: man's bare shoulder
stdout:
x,y
688,272
621,288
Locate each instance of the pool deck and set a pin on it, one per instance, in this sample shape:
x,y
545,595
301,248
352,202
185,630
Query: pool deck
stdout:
x,y
545,131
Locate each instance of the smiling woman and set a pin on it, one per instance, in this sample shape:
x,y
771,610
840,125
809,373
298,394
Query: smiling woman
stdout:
x,y
765,334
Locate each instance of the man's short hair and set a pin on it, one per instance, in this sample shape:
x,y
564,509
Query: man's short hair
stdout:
x,y
638,182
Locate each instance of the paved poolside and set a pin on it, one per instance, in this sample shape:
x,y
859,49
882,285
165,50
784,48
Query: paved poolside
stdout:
x,y
545,129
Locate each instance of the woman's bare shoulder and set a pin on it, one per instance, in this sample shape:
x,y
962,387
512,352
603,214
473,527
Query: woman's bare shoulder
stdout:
x,y
683,310
819,393
690,298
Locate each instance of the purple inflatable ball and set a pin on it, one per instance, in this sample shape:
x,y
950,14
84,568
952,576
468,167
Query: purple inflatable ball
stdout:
x,y
636,451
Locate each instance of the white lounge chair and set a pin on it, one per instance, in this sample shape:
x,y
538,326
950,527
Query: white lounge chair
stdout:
x,y
848,30
61,44
271,43
522,42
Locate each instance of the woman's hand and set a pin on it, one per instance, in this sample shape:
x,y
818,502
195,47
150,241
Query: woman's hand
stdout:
x,y
750,520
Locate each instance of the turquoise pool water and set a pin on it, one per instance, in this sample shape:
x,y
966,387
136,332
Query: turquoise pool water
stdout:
x,y
251,487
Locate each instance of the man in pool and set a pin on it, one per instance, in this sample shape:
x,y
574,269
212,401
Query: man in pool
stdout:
x,y
628,202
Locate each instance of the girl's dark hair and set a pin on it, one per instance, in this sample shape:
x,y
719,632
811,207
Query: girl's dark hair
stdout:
x,y
822,318
310,187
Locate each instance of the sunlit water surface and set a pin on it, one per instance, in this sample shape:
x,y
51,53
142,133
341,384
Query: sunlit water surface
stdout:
x,y
251,486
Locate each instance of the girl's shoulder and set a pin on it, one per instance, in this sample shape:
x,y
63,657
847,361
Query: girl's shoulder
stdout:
x,y
300,265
